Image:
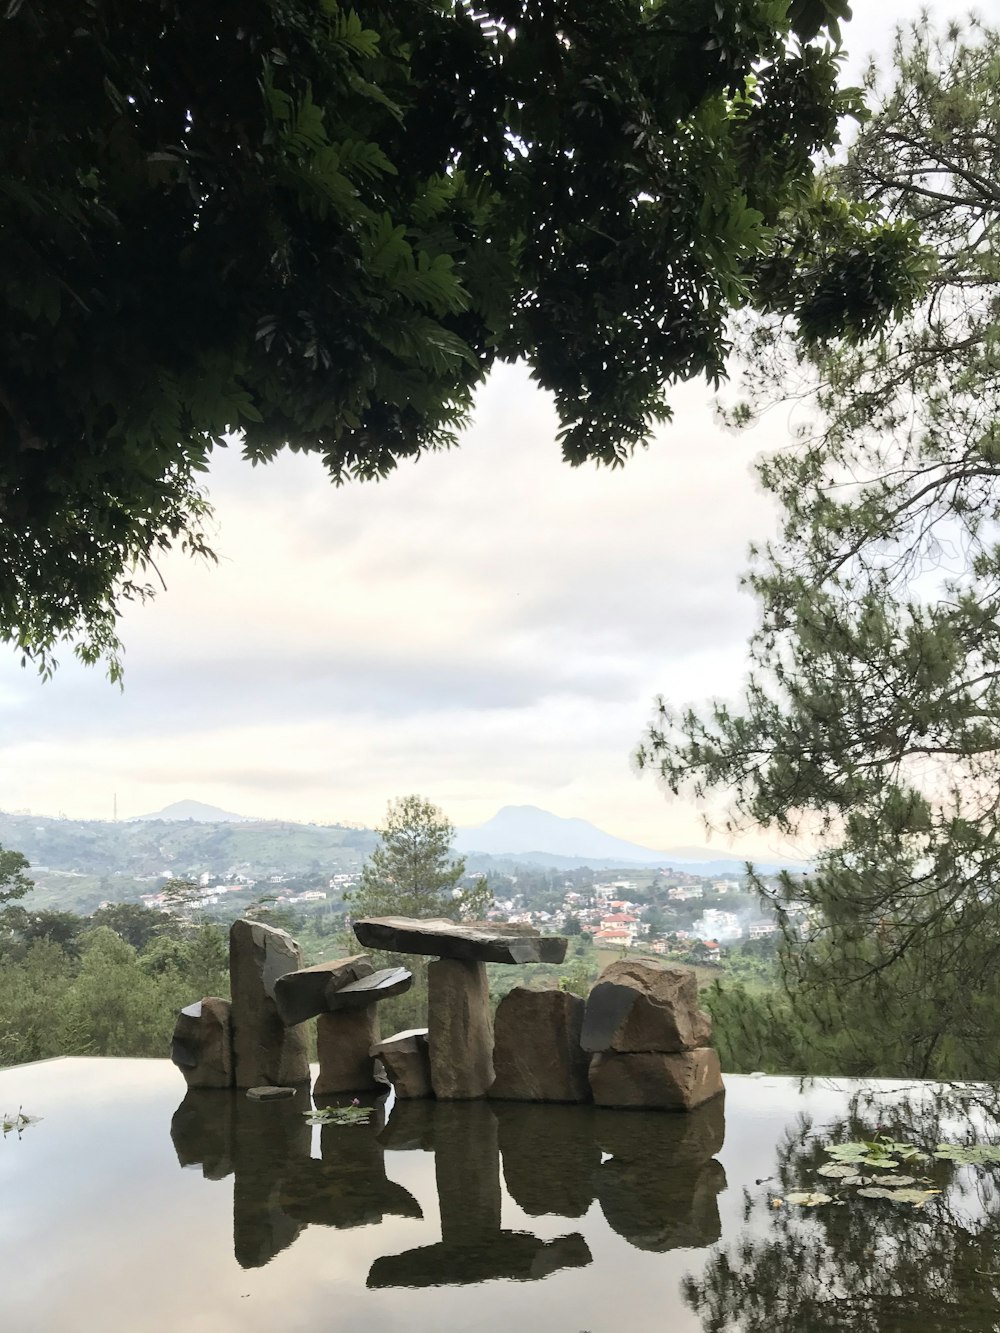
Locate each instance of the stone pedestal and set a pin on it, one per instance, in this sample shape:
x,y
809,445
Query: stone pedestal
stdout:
x,y
536,1053
202,1044
265,1051
656,1080
459,1029
407,1061
343,1046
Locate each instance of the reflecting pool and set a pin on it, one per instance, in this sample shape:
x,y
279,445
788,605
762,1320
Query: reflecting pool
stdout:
x,y
131,1206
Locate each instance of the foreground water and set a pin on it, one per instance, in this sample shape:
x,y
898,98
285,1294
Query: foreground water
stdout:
x,y
130,1206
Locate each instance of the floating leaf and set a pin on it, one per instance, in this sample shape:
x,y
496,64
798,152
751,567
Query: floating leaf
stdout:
x,y
968,1154
808,1200
916,1197
838,1170
894,1181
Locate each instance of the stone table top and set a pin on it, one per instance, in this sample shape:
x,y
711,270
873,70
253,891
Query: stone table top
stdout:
x,y
471,942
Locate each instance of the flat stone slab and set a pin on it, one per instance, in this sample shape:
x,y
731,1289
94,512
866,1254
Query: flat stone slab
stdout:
x,y
466,942
301,995
270,1094
379,986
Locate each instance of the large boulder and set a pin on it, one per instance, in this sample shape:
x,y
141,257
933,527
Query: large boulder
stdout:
x,y
407,1062
459,1029
302,995
343,1047
536,1053
472,942
645,1005
202,1044
265,1051
655,1079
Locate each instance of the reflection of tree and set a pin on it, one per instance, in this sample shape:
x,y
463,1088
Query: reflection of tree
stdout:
x,y
867,1264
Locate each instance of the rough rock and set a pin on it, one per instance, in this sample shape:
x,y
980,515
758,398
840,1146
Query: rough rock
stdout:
x,y
202,1044
270,1094
343,1046
645,1005
656,1080
472,942
459,1029
302,995
265,1051
378,986
407,1062
537,1055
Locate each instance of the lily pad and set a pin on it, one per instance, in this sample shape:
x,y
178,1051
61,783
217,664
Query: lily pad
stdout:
x,y
838,1170
808,1200
893,1182
915,1197
968,1154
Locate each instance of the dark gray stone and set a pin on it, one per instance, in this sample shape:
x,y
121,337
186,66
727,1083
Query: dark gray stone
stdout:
x,y
265,1051
537,1055
270,1094
645,1005
202,1044
460,1029
343,1047
302,995
470,942
379,986
655,1080
407,1063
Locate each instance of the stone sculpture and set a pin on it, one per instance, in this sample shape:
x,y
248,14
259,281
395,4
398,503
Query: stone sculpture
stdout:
x,y
265,1051
648,1039
537,1055
202,1044
302,995
407,1063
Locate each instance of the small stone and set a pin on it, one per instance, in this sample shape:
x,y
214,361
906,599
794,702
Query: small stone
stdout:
x,y
265,1051
656,1080
537,1054
645,1005
343,1047
473,942
270,1094
303,994
407,1062
202,1044
379,986
460,1029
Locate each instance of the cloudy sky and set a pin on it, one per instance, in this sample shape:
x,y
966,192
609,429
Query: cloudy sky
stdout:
x,y
486,627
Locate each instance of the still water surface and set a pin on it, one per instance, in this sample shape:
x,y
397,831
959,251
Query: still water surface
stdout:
x,y
132,1207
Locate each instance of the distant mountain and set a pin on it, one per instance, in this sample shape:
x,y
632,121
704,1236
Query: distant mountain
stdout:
x,y
534,835
197,810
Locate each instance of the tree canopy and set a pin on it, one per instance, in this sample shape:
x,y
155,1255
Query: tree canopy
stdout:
x,y
317,227
411,872
871,720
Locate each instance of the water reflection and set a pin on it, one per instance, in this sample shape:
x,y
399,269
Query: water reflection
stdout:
x,y
867,1263
654,1176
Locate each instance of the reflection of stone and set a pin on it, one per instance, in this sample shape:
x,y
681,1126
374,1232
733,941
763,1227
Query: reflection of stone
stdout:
x,y
407,1062
472,1248
479,942
343,1046
549,1157
676,1210
645,1005
654,1080
265,1051
660,1188
410,1127
536,1054
202,1132
202,1044
348,1187
514,1255
460,1029
302,995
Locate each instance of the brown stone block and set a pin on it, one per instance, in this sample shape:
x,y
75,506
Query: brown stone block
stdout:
x,y
201,1047
655,1080
343,1045
407,1061
265,1051
459,1029
645,1005
536,1052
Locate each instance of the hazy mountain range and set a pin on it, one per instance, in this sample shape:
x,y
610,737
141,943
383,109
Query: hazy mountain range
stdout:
x,y
528,834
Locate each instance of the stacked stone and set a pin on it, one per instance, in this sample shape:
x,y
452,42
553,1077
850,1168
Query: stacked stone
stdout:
x,y
257,1041
459,1037
648,1038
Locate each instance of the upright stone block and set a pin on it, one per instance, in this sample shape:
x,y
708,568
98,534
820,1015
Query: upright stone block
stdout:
x,y
536,1053
645,1005
202,1044
407,1062
343,1046
459,1029
655,1080
265,1051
